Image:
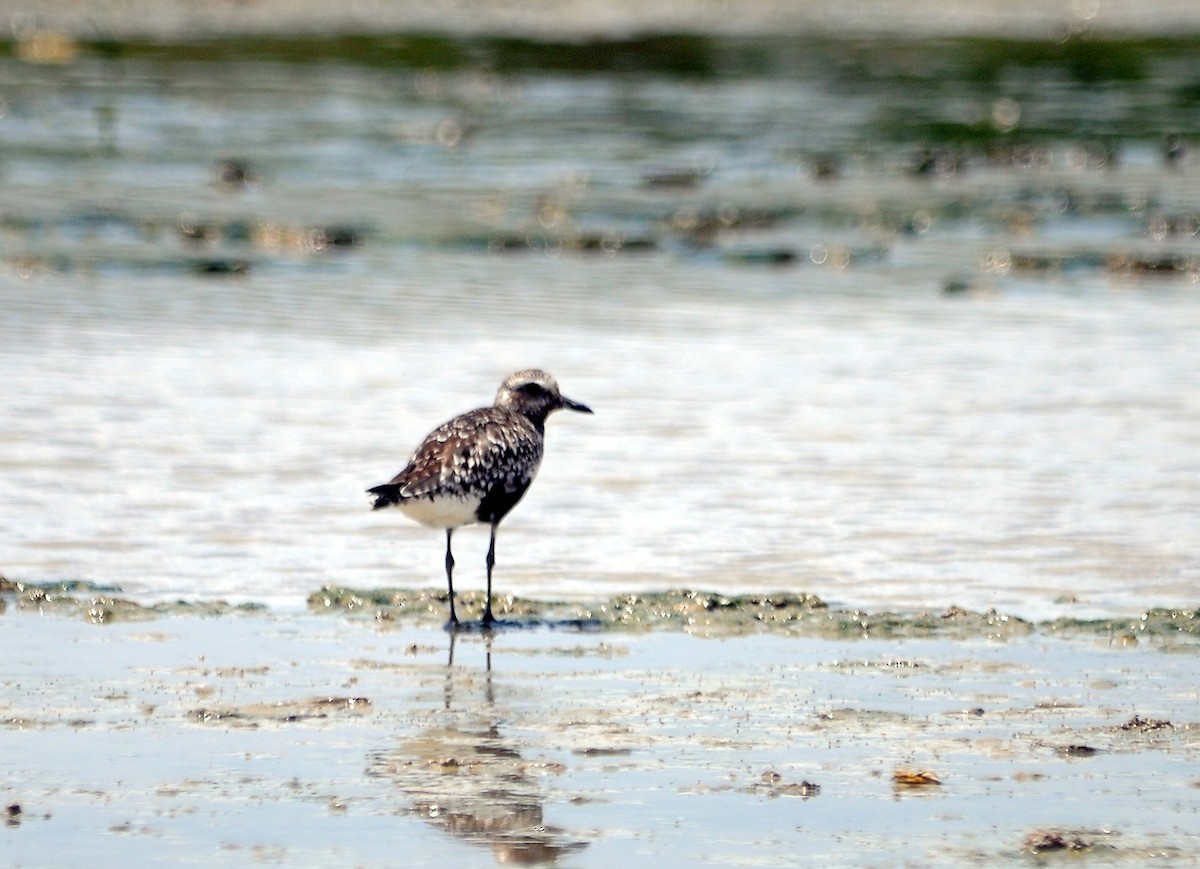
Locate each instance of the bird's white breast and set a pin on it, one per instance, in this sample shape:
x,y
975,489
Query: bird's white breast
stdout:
x,y
443,511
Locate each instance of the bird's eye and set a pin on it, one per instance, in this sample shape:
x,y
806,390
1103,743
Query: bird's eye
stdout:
x,y
533,390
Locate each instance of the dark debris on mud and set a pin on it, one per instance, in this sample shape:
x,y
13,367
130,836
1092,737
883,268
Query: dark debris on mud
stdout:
x,y
1043,841
1144,725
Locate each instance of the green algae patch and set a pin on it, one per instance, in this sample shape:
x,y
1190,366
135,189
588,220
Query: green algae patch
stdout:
x,y
953,623
73,599
679,609
682,55
704,610
101,604
53,588
704,613
206,608
700,612
420,605
709,613
1158,623
982,60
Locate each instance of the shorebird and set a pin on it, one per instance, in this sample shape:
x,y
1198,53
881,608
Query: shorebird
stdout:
x,y
477,466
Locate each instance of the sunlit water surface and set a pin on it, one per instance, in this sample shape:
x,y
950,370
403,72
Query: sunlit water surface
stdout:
x,y
199,384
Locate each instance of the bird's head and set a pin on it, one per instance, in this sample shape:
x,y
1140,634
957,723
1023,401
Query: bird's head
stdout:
x,y
534,393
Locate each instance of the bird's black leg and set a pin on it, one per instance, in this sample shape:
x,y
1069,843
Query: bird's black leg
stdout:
x,y
453,623
488,618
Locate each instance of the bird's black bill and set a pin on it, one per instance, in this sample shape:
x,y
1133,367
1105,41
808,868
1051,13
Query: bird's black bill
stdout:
x,y
574,405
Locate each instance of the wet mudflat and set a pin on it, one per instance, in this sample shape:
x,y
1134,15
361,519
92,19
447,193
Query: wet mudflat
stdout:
x,y
236,735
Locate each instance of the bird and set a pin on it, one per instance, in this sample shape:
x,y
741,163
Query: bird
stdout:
x,y
477,466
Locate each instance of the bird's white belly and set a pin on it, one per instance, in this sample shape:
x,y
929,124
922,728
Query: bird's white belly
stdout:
x,y
442,512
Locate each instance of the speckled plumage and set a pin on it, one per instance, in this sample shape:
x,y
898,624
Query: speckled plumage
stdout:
x,y
477,466
486,455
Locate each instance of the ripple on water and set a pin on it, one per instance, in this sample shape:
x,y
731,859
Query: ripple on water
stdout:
x,y
896,359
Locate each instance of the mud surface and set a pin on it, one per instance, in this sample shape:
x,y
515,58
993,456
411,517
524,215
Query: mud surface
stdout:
x,y
683,727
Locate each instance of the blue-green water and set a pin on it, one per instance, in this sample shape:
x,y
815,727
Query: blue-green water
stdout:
x,y
900,326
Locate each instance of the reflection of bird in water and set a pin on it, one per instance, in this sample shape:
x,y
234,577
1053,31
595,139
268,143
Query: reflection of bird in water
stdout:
x,y
467,779
473,785
477,466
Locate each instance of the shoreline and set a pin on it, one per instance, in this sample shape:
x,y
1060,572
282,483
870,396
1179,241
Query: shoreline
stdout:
x,y
700,612
1094,55
585,19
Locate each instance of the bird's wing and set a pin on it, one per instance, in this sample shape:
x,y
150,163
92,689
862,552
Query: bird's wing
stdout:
x,y
485,445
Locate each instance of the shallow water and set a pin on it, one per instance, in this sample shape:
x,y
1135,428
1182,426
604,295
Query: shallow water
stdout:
x,y
301,740
954,372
